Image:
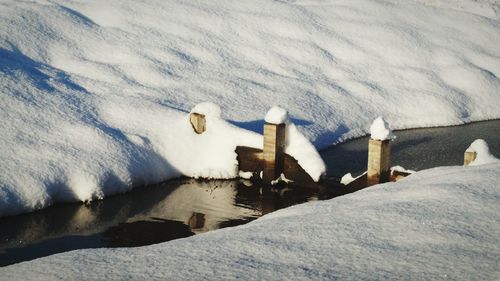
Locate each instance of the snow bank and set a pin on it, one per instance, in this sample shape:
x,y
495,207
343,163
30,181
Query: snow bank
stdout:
x,y
94,94
441,223
380,130
483,155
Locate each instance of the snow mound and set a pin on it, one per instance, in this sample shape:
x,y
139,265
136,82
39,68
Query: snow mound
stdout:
x,y
94,93
441,223
276,115
380,130
483,155
297,145
209,109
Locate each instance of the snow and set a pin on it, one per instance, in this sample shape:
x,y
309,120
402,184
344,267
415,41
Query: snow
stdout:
x,y
245,175
297,145
483,155
380,130
281,178
209,109
441,223
276,115
347,179
95,95
402,169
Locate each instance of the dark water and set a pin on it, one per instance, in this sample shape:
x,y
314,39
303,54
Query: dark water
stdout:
x,y
184,207
415,149
144,216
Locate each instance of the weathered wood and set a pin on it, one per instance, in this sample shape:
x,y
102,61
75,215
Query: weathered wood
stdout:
x,y
378,162
274,151
196,221
198,122
469,157
398,175
252,160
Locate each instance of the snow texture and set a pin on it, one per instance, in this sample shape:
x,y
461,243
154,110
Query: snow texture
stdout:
x,y
209,109
347,179
276,115
483,155
437,224
94,94
380,130
402,169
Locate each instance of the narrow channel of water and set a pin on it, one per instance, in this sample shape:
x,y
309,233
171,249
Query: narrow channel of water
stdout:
x,y
185,207
415,149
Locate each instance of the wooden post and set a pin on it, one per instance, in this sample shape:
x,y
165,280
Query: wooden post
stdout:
x,y
274,151
378,161
469,156
198,122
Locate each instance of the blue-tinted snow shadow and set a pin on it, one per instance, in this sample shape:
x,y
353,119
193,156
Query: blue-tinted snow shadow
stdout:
x,y
257,126
144,160
14,62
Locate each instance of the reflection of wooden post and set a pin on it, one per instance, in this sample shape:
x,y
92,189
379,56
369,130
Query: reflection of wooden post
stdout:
x,y
469,156
378,161
198,122
274,151
197,221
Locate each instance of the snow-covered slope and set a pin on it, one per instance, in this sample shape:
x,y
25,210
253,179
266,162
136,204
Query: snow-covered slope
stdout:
x,y
93,94
442,223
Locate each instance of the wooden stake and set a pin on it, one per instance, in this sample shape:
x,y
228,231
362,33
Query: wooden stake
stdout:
x,y
378,161
274,151
469,157
198,122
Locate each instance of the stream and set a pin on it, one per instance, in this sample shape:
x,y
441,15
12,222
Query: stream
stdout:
x,y
184,207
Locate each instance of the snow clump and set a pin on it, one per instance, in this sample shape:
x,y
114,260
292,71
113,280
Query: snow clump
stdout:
x,y
276,115
209,109
483,155
380,130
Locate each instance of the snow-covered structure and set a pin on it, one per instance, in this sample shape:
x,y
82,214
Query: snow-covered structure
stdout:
x,y
481,153
94,94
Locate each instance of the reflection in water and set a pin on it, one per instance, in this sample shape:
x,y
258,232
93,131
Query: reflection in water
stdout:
x,y
184,207
140,233
144,216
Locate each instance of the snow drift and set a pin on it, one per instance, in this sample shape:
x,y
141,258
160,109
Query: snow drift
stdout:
x,y
441,223
94,94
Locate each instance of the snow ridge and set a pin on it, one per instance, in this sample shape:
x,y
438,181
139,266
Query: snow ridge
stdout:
x,y
94,94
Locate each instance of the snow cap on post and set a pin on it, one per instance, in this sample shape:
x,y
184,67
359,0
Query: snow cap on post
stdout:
x,y
380,130
208,109
276,115
478,153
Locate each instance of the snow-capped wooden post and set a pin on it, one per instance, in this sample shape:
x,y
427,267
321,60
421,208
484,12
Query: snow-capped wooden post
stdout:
x,y
274,143
200,113
478,153
469,157
379,150
198,122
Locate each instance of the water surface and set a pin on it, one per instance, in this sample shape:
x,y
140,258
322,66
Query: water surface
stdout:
x,y
184,207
